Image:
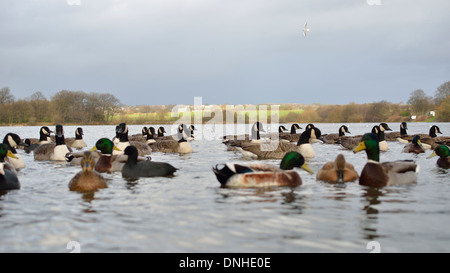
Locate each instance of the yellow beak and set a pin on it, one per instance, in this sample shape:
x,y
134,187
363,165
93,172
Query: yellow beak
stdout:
x,y
361,146
10,154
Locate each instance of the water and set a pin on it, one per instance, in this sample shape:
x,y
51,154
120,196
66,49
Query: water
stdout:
x,y
192,213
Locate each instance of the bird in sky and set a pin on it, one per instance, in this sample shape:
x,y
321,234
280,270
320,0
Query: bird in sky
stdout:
x,y
305,29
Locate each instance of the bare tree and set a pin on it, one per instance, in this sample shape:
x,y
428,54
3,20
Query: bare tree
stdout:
x,y
442,92
6,96
420,102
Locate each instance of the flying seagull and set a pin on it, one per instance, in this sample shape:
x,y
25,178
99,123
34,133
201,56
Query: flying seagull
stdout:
x,y
305,29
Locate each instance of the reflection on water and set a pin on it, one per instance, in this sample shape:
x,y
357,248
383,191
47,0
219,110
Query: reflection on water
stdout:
x,y
191,212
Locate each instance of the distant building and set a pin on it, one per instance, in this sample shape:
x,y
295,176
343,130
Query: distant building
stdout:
x,y
432,113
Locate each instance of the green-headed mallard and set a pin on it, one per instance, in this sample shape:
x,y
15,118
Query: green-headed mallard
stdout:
x,y
415,146
379,174
263,175
444,156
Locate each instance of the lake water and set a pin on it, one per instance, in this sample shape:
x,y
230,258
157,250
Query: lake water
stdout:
x,y
192,213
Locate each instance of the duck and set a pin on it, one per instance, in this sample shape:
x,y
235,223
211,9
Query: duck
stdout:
x,y
134,169
293,136
180,146
277,149
415,146
11,142
107,162
444,156
378,174
334,138
394,136
122,131
87,179
337,171
263,175
8,174
77,142
53,151
233,142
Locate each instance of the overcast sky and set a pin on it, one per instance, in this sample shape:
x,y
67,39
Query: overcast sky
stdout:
x,y
149,52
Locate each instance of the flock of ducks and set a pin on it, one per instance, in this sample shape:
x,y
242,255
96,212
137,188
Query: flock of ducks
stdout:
x,y
130,155
374,173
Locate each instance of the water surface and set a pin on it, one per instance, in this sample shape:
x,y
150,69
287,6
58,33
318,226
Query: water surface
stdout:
x,y
192,213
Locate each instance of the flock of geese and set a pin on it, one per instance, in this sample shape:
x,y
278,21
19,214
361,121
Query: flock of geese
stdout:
x,y
130,155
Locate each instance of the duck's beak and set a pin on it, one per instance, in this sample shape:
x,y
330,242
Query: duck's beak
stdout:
x,y
307,168
117,149
10,154
361,146
432,155
93,149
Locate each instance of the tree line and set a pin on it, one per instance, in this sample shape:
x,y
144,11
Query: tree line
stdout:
x,y
66,107
78,107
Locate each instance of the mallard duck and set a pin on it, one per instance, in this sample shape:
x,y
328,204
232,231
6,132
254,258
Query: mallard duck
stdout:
x,y
11,142
334,138
444,156
337,171
393,136
277,149
263,175
122,131
53,151
8,175
107,162
414,147
134,169
87,179
180,146
77,142
379,174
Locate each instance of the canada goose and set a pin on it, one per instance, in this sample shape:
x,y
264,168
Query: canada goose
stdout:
x,y
242,140
337,171
334,138
161,136
382,140
293,136
122,131
140,137
272,135
444,156
429,141
8,175
351,142
150,135
87,179
53,151
134,169
414,147
191,132
29,147
11,142
277,149
77,142
180,146
44,136
379,174
393,136
263,175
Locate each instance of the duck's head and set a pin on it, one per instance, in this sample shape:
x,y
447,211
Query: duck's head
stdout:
x,y
59,131
105,146
344,129
440,150
87,164
340,166
416,139
294,160
369,143
4,152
